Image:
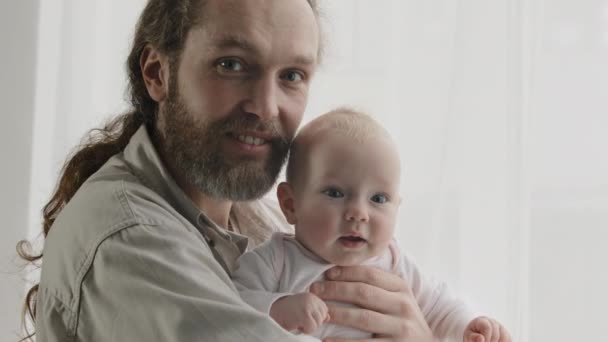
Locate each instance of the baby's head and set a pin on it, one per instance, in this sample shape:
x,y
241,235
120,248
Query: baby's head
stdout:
x,y
342,187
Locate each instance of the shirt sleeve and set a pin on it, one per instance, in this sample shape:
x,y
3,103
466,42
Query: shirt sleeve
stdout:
x,y
256,277
446,315
159,283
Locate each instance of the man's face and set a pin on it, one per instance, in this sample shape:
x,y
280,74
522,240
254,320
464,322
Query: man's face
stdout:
x,y
239,95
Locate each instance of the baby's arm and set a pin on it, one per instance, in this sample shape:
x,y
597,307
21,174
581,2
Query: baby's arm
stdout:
x,y
257,283
256,277
446,315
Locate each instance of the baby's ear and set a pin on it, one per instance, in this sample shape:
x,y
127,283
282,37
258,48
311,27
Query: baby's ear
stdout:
x,y
286,201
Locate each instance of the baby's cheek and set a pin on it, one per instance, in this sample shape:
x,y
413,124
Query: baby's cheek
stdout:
x,y
318,227
320,224
384,231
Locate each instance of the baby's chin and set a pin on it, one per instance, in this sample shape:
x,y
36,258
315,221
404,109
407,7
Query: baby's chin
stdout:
x,y
349,260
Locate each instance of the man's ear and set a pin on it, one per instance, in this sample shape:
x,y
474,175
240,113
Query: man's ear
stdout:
x,y
155,71
286,201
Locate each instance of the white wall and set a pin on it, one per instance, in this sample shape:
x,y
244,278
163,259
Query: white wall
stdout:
x,y
569,223
442,76
18,30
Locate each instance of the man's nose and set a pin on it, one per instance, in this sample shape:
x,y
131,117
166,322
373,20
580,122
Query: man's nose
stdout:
x,y
357,212
263,98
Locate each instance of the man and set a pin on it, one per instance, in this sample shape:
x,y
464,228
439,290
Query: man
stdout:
x,y
146,217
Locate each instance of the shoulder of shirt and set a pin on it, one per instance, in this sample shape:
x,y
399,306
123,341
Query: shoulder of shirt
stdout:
x,y
110,201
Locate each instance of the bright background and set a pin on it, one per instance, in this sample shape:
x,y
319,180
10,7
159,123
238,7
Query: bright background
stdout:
x,y
499,108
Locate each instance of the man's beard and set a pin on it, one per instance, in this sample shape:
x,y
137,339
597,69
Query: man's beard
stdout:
x,y
194,148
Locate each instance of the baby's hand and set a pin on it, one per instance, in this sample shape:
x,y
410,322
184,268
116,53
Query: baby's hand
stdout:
x,y
484,329
303,311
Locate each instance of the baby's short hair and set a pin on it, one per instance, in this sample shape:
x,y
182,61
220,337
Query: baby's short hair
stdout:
x,y
354,124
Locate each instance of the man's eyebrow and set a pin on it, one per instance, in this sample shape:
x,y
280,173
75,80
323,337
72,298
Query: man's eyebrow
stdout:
x,y
238,42
305,60
233,41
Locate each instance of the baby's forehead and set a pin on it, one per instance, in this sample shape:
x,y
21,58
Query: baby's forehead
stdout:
x,y
335,149
353,165
353,126
339,127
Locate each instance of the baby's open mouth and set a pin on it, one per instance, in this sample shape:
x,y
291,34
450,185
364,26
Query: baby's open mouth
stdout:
x,y
352,241
353,238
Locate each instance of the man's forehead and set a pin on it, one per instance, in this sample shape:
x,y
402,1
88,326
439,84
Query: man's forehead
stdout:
x,y
233,40
256,8
257,26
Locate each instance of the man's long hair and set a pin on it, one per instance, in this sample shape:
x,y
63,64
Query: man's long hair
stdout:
x,y
164,25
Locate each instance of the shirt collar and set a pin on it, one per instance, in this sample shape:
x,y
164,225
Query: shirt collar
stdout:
x,y
143,158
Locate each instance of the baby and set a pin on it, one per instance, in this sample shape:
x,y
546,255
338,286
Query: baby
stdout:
x,y
342,196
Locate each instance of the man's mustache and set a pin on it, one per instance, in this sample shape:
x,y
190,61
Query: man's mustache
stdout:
x,y
240,123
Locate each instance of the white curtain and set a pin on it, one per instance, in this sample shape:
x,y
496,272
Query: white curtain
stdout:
x,y
451,81
81,81
499,110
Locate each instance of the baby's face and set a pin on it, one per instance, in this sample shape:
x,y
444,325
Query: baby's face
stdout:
x,y
345,207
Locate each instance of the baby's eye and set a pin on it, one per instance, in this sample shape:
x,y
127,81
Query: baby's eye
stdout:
x,y
334,193
379,198
231,65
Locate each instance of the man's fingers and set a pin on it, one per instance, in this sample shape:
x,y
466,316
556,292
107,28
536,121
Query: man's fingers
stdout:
x,y
364,295
369,275
366,320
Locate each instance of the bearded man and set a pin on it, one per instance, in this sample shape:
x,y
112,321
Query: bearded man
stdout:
x,y
150,215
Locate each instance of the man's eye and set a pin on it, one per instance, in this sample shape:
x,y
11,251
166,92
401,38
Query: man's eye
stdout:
x,y
379,198
334,193
231,64
293,76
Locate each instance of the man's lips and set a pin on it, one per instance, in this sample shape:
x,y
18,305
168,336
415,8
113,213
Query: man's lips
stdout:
x,y
251,138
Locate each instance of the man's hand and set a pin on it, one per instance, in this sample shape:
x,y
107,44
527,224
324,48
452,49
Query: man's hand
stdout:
x,y
302,311
388,308
484,329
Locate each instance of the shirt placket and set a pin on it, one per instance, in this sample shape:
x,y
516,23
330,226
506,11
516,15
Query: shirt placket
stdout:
x,y
225,251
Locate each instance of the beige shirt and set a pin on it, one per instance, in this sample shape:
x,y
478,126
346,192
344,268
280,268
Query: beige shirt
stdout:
x,y
131,258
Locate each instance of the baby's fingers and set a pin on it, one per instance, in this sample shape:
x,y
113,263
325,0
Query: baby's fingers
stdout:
x,y
309,326
481,327
320,316
495,331
504,335
473,337
324,315
322,311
